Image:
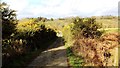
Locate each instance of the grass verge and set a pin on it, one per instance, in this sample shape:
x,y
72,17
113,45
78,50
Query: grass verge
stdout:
x,y
74,61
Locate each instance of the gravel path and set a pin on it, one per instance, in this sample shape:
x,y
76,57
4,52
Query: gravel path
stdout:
x,y
55,56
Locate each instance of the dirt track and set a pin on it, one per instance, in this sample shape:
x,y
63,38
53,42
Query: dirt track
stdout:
x,y
55,55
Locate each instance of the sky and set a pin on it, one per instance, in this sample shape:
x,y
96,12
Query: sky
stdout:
x,y
63,8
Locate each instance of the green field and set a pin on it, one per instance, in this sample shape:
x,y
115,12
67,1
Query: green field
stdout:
x,y
110,30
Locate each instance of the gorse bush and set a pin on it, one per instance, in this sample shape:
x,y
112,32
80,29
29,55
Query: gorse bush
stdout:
x,y
85,27
22,37
34,33
92,44
29,37
27,26
12,48
83,32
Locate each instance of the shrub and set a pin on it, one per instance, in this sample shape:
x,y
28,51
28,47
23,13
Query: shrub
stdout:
x,y
28,37
35,35
85,27
12,49
61,19
51,19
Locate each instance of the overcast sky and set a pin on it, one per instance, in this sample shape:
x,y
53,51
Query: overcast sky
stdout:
x,y
63,8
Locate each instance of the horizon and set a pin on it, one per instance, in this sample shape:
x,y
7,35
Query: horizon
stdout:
x,y
73,17
63,8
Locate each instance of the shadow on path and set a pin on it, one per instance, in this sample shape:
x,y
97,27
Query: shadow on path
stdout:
x,y
55,55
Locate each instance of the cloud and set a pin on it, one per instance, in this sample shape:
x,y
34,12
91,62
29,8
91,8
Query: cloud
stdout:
x,y
63,8
17,4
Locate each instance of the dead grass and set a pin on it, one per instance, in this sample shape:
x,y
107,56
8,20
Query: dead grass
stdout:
x,y
98,52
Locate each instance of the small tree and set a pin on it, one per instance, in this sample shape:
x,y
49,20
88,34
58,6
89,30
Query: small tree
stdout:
x,y
52,19
8,20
